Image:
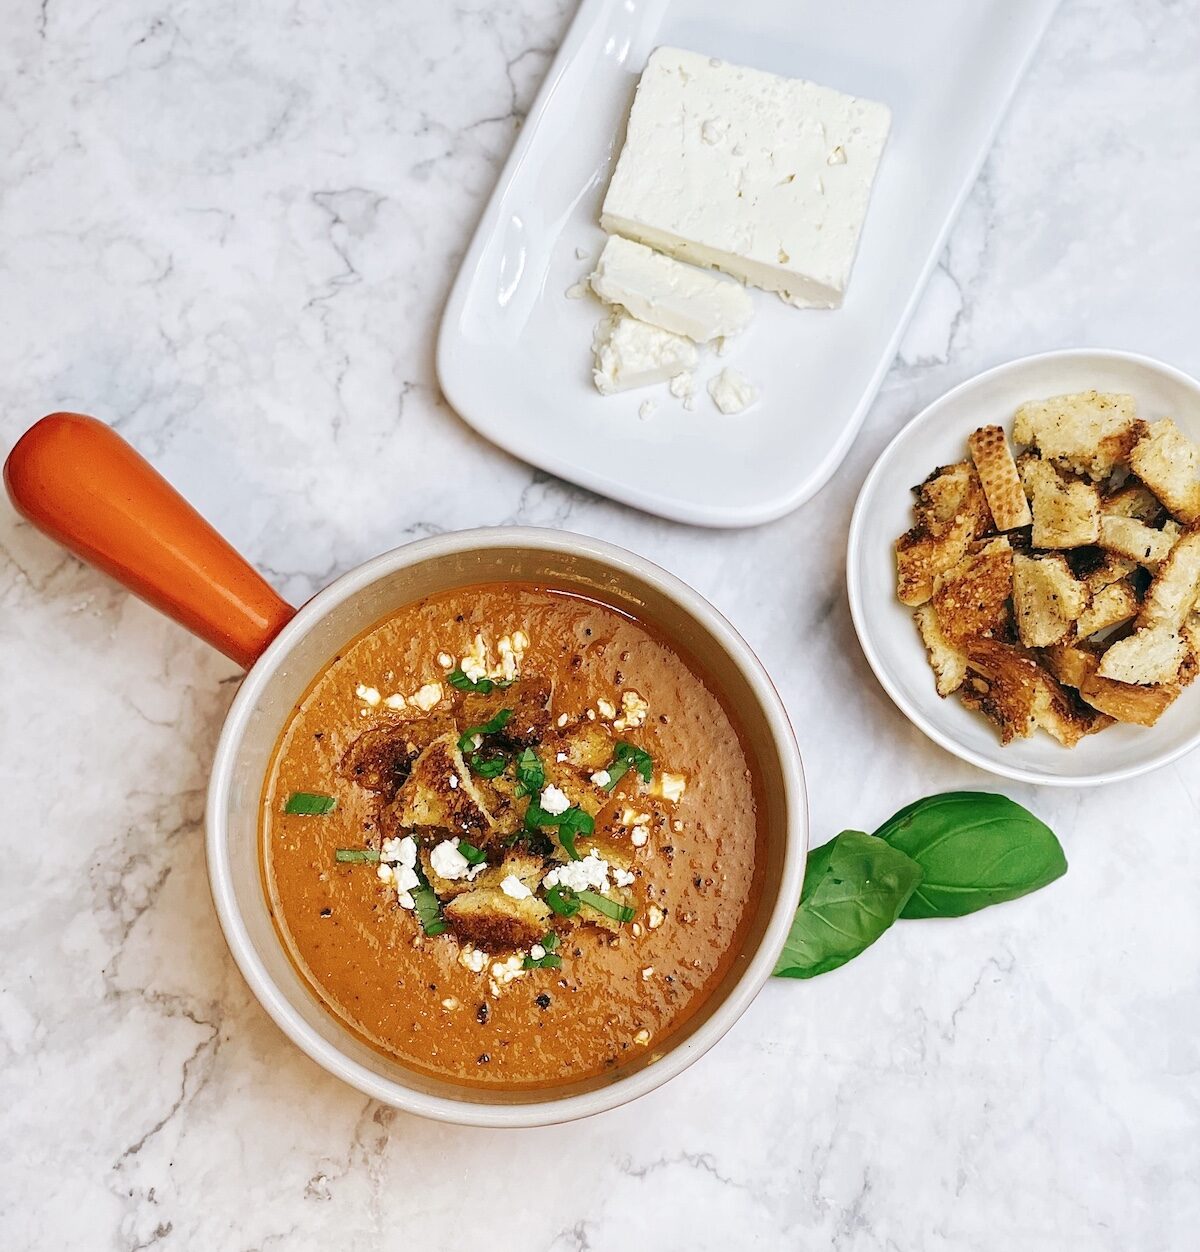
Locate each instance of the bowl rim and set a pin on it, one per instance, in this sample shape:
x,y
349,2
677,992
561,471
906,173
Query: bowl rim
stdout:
x,y
551,1110
859,612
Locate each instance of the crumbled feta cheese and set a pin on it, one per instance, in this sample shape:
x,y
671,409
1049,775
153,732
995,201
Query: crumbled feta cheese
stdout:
x,y
445,660
476,870
606,709
629,353
642,1037
405,878
447,861
676,826
640,836
672,787
562,720
429,696
554,801
453,781
591,715
513,887
602,778
537,952
633,711
405,901
683,386
655,917
561,756
369,695
395,702
647,409
637,930
450,1003
591,873
576,291
732,392
384,873
504,972
647,973
473,959
622,877
402,850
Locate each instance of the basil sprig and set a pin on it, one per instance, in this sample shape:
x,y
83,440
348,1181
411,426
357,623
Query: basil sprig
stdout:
x,y
356,856
428,906
610,908
568,826
563,901
491,762
975,849
310,804
944,856
475,855
549,959
531,776
854,888
627,756
484,686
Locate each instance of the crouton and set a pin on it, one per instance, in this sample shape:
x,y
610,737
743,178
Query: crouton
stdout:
x,y
998,473
379,759
1070,664
1076,667
1172,594
441,794
951,513
1135,500
1128,537
1089,432
949,664
1168,462
1008,686
528,700
1110,606
1047,598
971,600
496,922
1148,657
1066,512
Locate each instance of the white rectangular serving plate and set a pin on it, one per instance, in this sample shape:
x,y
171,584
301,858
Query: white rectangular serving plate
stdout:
x,y
514,353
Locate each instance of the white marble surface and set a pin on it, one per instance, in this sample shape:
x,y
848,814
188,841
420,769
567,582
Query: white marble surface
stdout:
x,y
229,229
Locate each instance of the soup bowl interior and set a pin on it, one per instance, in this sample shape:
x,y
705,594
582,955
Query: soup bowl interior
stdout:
x,y
359,601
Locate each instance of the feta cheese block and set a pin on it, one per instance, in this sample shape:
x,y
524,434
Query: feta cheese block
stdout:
x,y
629,353
766,178
664,292
732,392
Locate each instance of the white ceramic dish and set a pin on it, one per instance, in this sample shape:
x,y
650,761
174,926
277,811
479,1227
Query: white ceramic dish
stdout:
x,y
514,354
937,436
75,479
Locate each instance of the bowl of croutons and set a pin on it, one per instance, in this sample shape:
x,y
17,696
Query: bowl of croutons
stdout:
x,y
1024,568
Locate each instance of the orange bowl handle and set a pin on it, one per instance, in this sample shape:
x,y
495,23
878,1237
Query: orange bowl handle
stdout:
x,y
77,480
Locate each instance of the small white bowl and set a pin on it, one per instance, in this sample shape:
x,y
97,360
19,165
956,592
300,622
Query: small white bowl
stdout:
x,y
938,436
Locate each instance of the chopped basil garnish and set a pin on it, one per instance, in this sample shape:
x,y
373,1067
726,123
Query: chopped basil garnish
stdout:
x,y
625,758
466,741
492,762
488,764
310,803
473,854
610,908
485,686
548,959
428,907
531,777
568,826
357,856
563,901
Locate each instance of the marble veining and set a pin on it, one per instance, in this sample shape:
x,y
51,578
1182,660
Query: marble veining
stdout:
x,y
229,229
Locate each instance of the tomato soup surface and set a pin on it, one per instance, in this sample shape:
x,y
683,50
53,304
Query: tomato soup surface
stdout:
x,y
585,826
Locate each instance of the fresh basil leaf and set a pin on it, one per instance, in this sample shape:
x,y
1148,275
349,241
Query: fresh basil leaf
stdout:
x,y
547,960
356,856
610,908
466,741
569,825
531,777
484,686
473,854
488,764
310,803
855,886
563,901
550,940
625,757
975,849
428,907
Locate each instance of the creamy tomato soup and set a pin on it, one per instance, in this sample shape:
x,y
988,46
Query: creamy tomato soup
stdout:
x,y
510,837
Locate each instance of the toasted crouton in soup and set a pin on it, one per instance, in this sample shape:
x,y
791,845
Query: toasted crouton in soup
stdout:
x,y
1110,606
1047,599
1168,462
1088,432
1173,593
948,663
1148,657
998,474
1066,511
495,921
441,794
971,600
951,513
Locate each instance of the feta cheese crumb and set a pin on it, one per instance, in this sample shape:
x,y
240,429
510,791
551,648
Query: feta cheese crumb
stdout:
x,y
633,711
395,702
606,709
537,952
640,836
369,695
429,696
647,973
561,756
450,1003
402,850
473,959
554,801
629,353
447,861
453,781
504,972
732,392
642,1037
672,787
576,291
683,386
602,778
655,917
513,887
647,409
405,900
445,660
591,873
385,873
622,877
562,720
